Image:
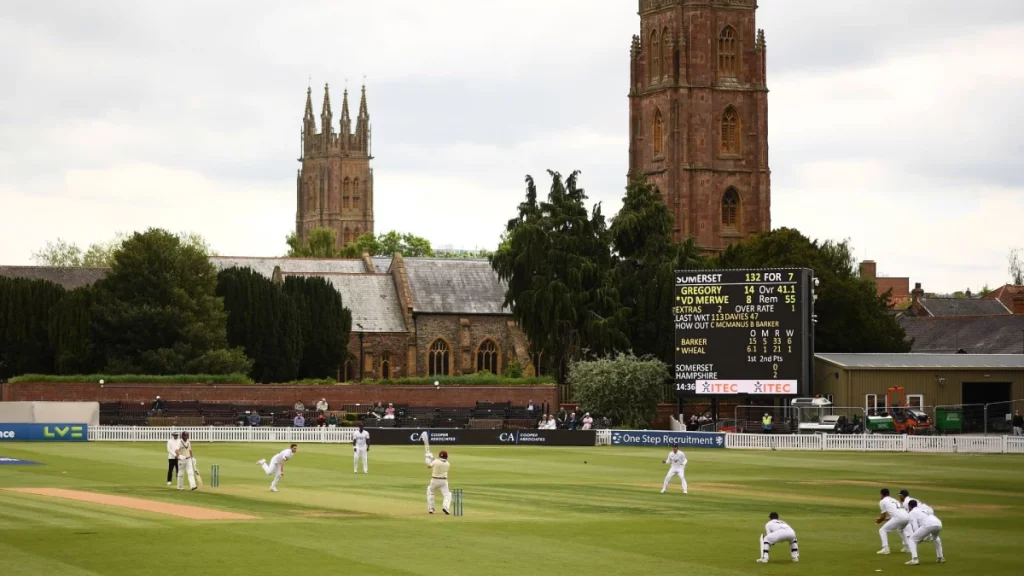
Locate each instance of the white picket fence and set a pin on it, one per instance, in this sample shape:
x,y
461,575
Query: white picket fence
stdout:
x,y
821,442
221,434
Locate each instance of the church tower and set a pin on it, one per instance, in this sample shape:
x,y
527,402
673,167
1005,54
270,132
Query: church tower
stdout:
x,y
334,186
698,106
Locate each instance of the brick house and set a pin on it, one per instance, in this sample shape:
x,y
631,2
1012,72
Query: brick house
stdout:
x,y
698,125
1010,295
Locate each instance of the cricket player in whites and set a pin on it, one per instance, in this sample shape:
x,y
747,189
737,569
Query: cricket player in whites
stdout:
x,y
360,446
905,501
925,526
185,466
678,461
897,520
276,466
777,531
438,477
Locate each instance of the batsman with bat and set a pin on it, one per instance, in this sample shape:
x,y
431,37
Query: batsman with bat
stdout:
x,y
438,477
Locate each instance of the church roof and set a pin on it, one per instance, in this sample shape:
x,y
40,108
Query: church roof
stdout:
x,y
455,286
304,266
70,277
972,334
381,264
371,298
963,307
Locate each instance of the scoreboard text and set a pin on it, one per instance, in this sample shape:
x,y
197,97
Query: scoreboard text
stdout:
x,y
742,331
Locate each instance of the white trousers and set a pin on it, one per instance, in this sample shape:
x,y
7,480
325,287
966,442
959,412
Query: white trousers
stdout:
x,y
1018,431
273,468
923,533
681,472
895,524
185,467
358,453
442,485
779,536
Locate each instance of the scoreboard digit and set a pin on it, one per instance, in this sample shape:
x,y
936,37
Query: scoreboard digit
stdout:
x,y
742,331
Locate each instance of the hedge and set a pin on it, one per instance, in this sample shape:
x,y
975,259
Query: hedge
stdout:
x,y
468,379
136,378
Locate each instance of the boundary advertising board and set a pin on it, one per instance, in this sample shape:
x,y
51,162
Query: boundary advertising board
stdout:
x,y
661,438
743,332
44,432
454,436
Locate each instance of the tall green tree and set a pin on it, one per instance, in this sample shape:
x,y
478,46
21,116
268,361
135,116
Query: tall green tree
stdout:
x,y
557,262
321,243
101,254
70,330
157,311
264,321
324,323
25,309
646,259
852,317
625,387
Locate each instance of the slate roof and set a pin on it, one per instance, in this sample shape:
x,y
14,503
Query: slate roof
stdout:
x,y
973,334
925,361
455,286
305,266
962,307
381,264
371,298
68,277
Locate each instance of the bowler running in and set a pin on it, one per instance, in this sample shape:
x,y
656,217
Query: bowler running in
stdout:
x,y
895,518
776,531
276,466
438,481
360,446
925,526
678,467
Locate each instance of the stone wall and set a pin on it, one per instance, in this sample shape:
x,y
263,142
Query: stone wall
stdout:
x,y
285,395
372,348
463,335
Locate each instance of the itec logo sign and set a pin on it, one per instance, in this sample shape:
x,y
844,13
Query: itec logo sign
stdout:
x,y
656,438
746,387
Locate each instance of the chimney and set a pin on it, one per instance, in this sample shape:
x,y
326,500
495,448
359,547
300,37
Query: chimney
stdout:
x,y
1018,304
915,295
868,270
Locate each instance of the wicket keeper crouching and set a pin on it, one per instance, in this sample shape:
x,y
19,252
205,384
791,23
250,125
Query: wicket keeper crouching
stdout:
x,y
438,480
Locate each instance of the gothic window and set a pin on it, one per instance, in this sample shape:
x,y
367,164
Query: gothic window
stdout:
x,y
355,193
666,54
727,52
655,62
385,366
356,234
730,208
346,236
437,358
730,142
347,190
658,135
487,357
350,368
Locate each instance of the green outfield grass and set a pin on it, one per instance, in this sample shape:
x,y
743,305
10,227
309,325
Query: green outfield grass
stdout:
x,y
593,511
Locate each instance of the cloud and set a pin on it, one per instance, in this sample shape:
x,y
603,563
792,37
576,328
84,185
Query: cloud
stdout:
x,y
892,124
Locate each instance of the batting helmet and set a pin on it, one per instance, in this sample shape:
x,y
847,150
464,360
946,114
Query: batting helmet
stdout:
x,y
184,435
444,455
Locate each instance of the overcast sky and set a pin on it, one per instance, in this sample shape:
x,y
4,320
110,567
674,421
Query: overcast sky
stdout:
x,y
896,124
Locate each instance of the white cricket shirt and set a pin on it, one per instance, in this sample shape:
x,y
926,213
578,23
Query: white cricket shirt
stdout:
x,y
920,506
361,438
439,469
920,519
892,507
775,525
676,459
172,448
283,456
184,447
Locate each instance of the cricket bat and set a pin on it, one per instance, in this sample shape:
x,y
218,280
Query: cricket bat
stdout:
x,y
426,442
195,471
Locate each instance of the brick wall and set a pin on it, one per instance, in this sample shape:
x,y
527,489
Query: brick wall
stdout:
x,y
269,394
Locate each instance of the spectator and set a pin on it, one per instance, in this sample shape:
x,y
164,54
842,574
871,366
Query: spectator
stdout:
x,y
588,422
552,423
389,413
321,406
378,409
571,423
1018,424
766,423
543,422
561,418
254,418
299,421
299,406
332,422
529,407
158,406
321,420
693,422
